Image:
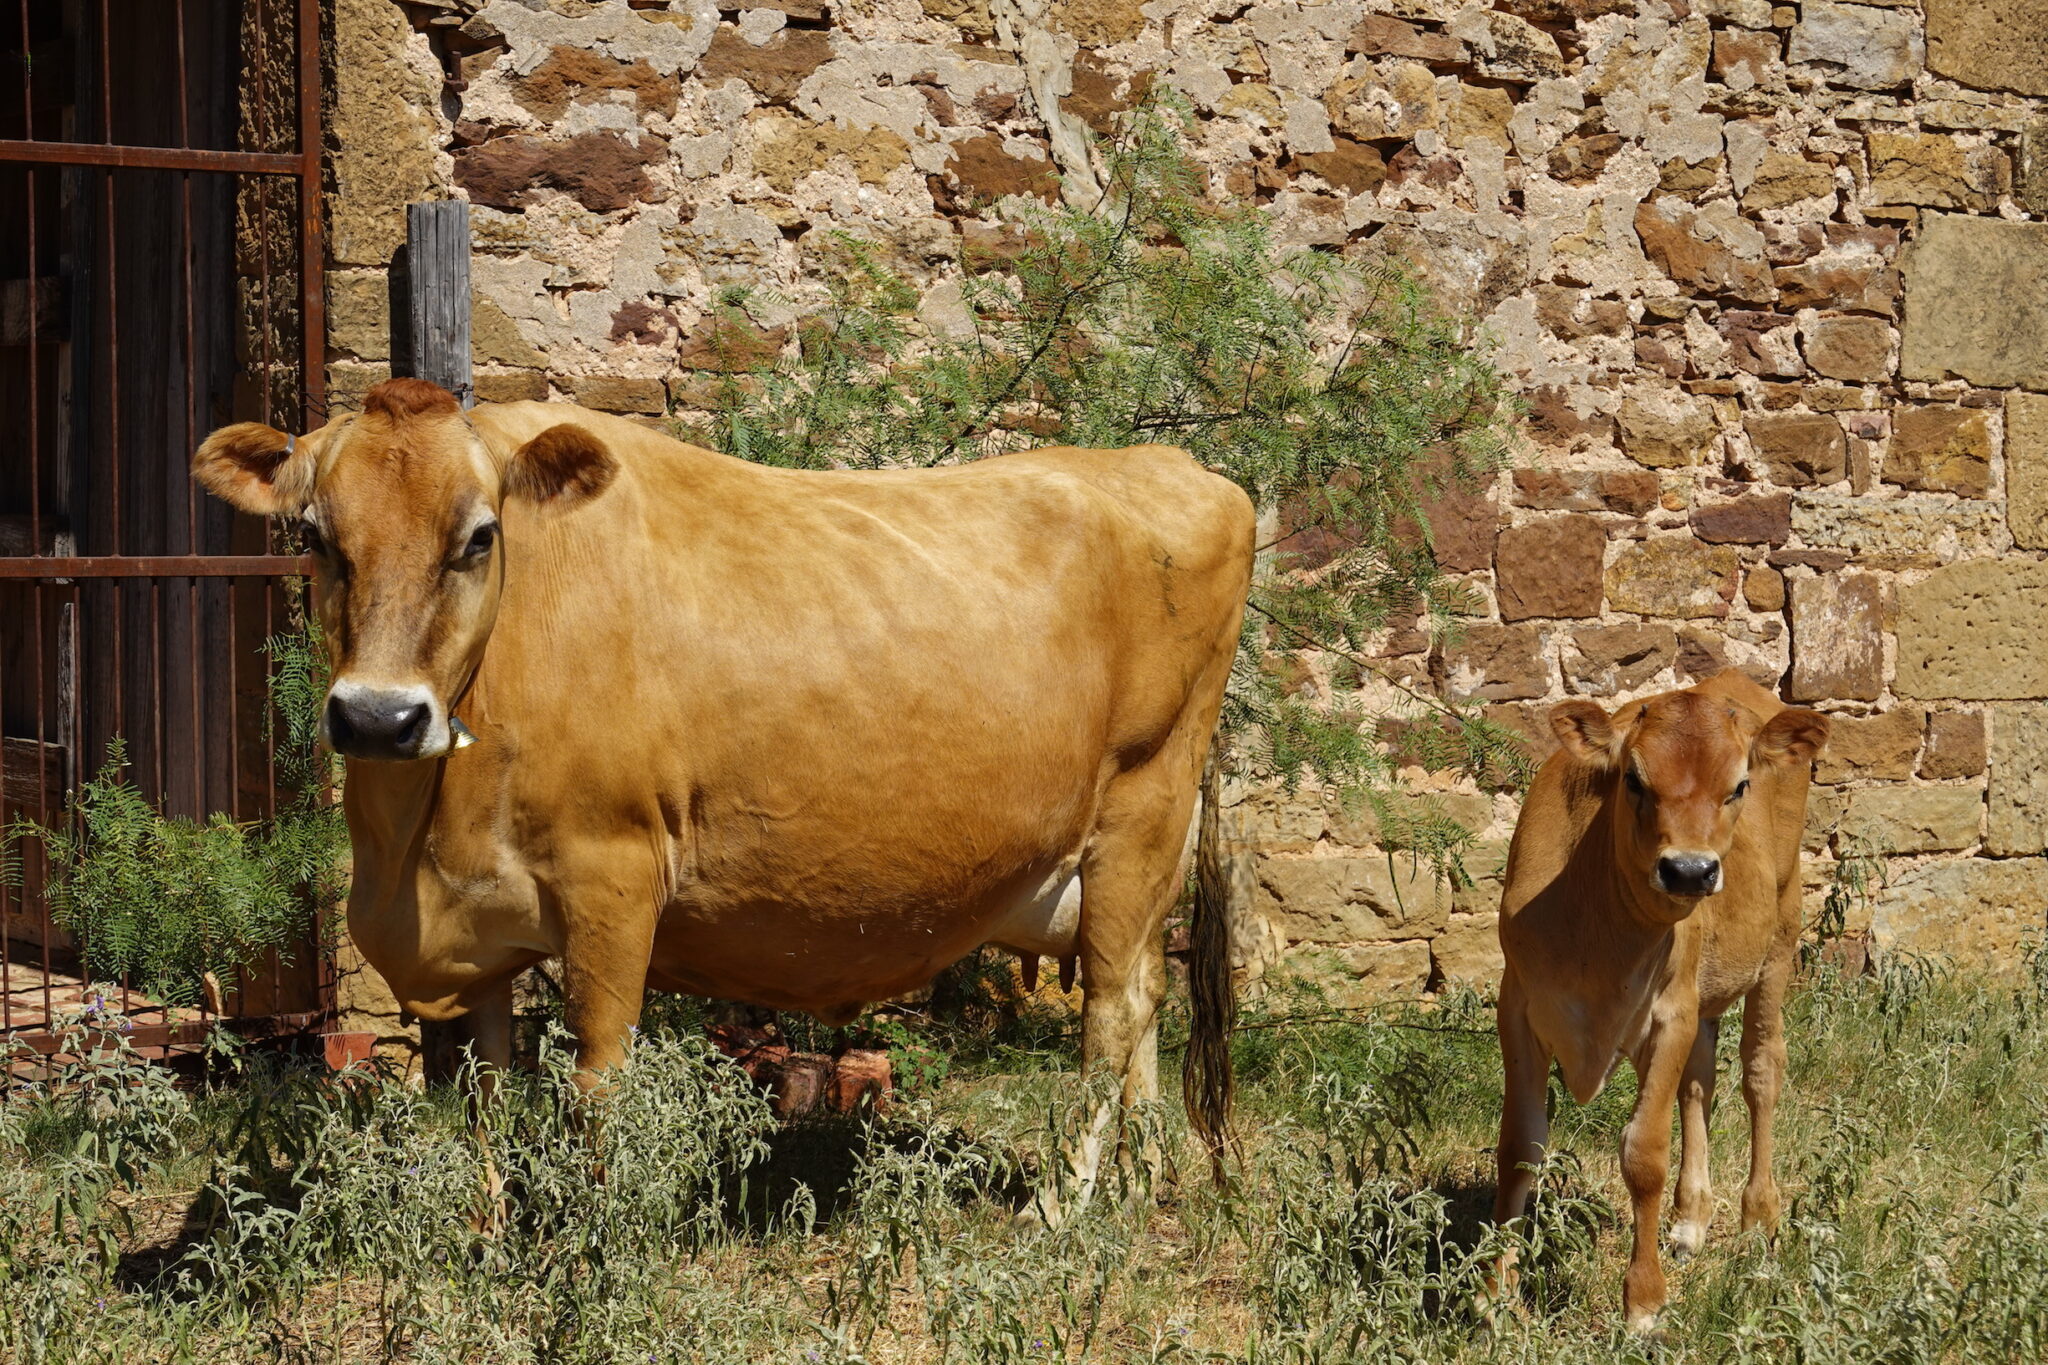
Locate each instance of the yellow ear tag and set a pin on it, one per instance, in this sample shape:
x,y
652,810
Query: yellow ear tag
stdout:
x,y
459,734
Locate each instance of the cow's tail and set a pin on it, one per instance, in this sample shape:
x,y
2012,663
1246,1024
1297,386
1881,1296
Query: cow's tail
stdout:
x,y
1207,1082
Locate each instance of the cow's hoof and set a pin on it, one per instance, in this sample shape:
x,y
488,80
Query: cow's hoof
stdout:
x,y
1686,1239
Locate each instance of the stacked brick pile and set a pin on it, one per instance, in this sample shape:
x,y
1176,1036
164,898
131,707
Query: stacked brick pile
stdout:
x,y
1773,278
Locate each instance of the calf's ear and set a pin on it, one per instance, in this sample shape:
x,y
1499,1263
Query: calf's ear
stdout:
x,y
1586,731
563,466
256,468
1794,735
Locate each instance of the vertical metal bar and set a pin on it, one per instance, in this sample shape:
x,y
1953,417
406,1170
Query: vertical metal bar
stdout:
x,y
35,463
312,240
156,688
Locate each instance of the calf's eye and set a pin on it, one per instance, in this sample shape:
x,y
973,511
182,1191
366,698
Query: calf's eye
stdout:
x,y
1741,789
1635,782
480,542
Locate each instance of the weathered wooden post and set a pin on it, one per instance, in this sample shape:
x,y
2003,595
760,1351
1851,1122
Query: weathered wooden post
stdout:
x,y
437,278
437,264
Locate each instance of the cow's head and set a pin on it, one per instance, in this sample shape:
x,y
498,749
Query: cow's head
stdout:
x,y
1680,768
400,507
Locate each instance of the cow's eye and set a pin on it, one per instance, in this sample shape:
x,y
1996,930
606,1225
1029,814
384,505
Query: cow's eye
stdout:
x,y
480,542
1741,790
316,544
1635,783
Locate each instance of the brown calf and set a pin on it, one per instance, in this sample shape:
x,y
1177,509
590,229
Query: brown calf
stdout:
x,y
1653,882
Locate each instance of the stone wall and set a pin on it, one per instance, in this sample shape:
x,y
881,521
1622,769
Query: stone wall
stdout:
x,y
1770,276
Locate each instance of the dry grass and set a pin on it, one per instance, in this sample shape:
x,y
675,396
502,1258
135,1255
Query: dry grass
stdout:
x,y
283,1218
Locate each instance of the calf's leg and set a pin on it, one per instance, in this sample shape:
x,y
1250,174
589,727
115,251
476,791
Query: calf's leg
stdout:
x,y
1646,1152
1524,1122
1693,1211
1763,1074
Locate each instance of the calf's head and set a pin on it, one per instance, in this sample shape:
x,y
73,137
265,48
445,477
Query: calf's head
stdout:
x,y
1680,768
400,507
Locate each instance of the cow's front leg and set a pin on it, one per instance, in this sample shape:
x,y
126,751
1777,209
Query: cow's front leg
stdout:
x,y
607,942
1646,1151
1763,1074
1693,1211
1524,1125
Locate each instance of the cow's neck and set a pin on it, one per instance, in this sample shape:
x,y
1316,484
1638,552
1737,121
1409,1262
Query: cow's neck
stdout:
x,y
389,805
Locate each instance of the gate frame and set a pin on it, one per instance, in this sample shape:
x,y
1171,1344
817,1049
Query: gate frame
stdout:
x,y
305,166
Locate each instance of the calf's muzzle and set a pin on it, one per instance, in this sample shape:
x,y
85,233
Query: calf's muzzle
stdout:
x,y
1689,874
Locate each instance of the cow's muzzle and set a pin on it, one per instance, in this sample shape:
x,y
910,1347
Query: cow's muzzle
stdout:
x,y
1688,874
383,723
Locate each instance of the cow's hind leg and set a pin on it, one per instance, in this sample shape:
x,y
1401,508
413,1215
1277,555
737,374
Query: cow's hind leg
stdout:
x,y
1693,1210
1763,1074
1130,875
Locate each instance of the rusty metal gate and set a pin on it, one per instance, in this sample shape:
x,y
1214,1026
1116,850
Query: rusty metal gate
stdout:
x,y
160,274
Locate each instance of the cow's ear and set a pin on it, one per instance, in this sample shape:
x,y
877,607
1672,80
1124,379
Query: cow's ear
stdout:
x,y
1794,735
561,467
256,468
1586,731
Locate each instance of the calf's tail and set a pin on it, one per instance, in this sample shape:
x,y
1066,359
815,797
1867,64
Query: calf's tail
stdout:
x,y
1207,1082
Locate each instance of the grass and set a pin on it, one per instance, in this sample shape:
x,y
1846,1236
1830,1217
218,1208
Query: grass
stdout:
x,y
283,1216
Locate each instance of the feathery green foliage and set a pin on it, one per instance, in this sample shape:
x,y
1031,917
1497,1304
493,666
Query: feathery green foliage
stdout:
x,y
1330,388
160,901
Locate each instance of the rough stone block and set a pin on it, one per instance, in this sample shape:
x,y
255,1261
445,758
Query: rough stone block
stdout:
x,y
1468,951
1976,912
1348,900
1857,350
620,393
510,386
1744,61
1902,531
1837,640
1613,661
1941,450
2030,176
1799,449
1867,49
1550,567
382,129
602,170
1358,824
1279,822
1782,180
1381,35
1666,428
1955,745
1914,819
1673,576
1585,490
1714,254
1859,283
1763,587
1355,975
1493,663
1824,807
1880,747
2019,779
359,313
777,68
1764,519
2026,469
1991,44
1373,105
1973,291
1936,172
1974,631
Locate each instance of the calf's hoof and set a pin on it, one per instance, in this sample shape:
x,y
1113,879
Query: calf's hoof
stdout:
x,y
1686,1238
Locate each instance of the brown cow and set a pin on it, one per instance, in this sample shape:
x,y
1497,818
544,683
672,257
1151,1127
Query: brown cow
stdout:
x,y
1653,882
797,738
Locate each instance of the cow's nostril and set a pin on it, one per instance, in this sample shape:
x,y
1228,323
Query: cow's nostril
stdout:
x,y
406,726
340,733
